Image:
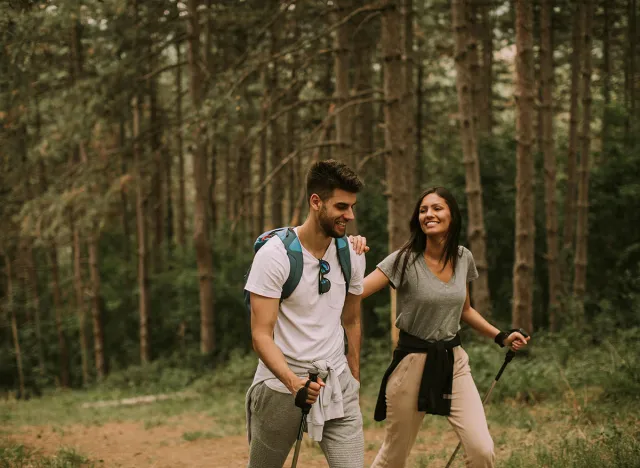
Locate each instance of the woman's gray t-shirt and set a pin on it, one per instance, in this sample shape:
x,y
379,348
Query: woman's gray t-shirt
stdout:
x,y
428,307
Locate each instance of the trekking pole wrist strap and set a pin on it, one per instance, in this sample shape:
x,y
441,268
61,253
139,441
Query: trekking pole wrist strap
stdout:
x,y
500,337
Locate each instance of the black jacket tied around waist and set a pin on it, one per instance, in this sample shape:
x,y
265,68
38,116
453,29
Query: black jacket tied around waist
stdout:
x,y
436,384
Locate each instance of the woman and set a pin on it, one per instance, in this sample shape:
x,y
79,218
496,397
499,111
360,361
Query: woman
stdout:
x,y
430,370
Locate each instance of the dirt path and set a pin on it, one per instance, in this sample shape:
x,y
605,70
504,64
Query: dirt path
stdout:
x,y
131,444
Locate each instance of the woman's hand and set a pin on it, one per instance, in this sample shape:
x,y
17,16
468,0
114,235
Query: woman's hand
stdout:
x,y
359,244
516,341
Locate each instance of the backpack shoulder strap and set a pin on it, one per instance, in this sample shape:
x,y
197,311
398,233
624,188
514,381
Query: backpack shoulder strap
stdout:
x,y
294,253
344,257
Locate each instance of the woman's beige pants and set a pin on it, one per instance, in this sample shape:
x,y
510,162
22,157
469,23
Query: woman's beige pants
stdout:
x,y
404,420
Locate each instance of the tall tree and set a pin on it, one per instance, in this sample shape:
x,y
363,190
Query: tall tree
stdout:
x,y
582,228
14,323
464,56
522,315
607,72
568,232
399,156
485,106
201,216
182,201
551,216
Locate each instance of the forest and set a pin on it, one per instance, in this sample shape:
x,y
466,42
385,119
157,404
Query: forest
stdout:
x,y
145,145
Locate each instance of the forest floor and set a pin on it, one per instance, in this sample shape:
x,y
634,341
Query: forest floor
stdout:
x,y
66,430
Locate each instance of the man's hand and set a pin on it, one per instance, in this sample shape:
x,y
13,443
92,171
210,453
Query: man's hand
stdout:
x,y
359,244
313,390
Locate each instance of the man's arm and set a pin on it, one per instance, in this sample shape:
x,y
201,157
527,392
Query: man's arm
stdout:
x,y
352,327
264,313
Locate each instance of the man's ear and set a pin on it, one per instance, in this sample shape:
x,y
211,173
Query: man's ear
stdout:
x,y
315,202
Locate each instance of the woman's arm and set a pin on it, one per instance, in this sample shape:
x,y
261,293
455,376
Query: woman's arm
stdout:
x,y
476,321
374,282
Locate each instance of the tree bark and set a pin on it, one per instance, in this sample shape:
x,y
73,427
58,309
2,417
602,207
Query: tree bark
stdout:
x,y
631,80
262,158
124,200
80,305
582,228
551,215
277,185
14,325
156,177
464,55
486,99
63,358
201,221
568,233
606,74
522,315
399,157
96,309
182,203
34,291
341,64
141,229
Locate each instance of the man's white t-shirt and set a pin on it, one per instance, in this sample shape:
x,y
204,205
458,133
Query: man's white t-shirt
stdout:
x,y
309,326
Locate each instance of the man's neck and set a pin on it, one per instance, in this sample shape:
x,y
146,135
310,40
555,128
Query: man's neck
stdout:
x,y
313,238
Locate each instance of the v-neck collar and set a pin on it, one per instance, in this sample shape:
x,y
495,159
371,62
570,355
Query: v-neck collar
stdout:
x,y
428,268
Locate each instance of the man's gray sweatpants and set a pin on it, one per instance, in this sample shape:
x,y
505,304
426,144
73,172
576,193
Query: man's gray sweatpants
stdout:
x,y
275,421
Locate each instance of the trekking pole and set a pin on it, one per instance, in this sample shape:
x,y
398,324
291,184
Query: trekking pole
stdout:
x,y
507,359
305,411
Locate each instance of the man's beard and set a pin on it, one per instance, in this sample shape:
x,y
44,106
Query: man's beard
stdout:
x,y
328,225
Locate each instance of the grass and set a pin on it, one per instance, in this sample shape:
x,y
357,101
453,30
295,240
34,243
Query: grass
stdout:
x,y
568,402
19,456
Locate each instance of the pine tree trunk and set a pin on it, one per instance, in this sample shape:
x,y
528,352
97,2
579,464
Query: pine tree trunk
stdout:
x,y
141,228
182,199
522,315
14,325
277,185
473,59
574,110
156,177
464,55
96,309
606,74
124,201
34,291
341,64
80,305
630,79
582,228
63,349
292,117
201,218
485,108
551,215
262,163
399,143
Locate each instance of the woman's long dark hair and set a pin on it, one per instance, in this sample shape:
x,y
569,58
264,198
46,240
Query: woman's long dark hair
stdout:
x,y
418,240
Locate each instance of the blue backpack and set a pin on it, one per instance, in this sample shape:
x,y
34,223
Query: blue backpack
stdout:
x,y
294,252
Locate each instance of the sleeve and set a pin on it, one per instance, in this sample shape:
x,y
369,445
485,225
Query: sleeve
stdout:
x,y
472,271
394,274
358,266
270,270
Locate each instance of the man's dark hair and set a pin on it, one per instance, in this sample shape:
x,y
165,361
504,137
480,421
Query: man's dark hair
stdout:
x,y
326,176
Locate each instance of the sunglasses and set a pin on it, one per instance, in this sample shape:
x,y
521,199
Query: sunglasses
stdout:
x,y
324,285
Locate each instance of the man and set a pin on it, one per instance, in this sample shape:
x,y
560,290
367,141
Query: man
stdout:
x,y
304,332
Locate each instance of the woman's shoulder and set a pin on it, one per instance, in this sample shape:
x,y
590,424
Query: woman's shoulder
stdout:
x,y
463,252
